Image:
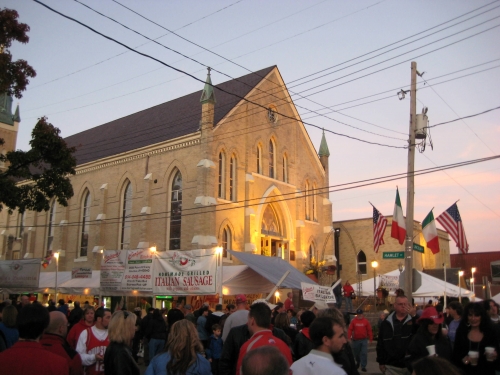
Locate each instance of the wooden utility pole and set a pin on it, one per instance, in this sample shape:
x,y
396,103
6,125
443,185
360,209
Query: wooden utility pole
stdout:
x,y
408,288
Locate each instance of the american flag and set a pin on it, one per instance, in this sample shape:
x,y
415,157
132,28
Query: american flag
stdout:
x,y
452,222
379,225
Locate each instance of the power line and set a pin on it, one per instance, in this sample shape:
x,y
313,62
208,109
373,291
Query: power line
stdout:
x,y
197,79
292,195
464,117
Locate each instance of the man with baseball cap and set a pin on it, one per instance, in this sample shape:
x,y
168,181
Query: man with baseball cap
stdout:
x,y
359,332
238,318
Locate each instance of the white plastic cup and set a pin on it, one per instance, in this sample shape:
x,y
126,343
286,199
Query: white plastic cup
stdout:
x,y
473,357
431,349
489,350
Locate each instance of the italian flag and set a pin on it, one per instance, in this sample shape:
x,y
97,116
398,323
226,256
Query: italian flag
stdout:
x,y
398,229
430,233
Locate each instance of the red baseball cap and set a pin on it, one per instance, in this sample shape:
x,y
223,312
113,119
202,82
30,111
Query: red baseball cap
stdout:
x,y
240,298
431,313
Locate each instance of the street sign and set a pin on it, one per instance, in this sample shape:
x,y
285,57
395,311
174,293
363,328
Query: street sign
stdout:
x,y
393,255
418,248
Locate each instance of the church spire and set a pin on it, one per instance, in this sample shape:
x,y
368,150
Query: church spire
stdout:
x,y
208,94
323,148
17,115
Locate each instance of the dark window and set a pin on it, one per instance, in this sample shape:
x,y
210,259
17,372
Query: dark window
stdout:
x,y
176,212
126,218
362,263
84,239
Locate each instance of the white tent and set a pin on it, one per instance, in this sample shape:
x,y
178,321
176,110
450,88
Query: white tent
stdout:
x,y
431,287
496,298
81,286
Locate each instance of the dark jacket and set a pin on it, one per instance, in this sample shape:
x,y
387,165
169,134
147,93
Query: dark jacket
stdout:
x,y
301,346
391,345
345,358
157,329
463,345
418,347
75,316
144,324
214,349
231,349
118,360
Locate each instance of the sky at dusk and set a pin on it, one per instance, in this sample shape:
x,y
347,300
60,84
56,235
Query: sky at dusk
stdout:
x,y
342,61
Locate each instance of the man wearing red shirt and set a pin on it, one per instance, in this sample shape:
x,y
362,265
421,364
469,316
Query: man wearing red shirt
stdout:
x,y
82,325
27,356
259,321
54,340
359,332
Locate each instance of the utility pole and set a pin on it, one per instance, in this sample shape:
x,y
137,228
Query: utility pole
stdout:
x,y
410,185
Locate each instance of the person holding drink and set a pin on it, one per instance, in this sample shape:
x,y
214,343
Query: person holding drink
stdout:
x,y
476,345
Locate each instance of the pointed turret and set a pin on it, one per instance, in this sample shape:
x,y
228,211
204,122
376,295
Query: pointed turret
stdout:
x,y
17,115
208,94
324,155
323,147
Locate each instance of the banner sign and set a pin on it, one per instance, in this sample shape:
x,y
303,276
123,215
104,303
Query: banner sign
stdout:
x,y
138,271
391,283
312,292
160,273
20,273
81,273
186,272
112,269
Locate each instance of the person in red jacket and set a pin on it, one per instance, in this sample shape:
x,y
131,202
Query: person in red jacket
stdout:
x,y
27,356
54,340
359,332
259,321
348,293
82,325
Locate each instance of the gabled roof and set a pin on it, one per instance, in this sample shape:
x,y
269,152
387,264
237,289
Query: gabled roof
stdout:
x,y
173,119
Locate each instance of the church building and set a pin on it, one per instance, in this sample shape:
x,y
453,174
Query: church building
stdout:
x,y
231,165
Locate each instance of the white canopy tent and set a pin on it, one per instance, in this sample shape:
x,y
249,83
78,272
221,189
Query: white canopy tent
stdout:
x,y
431,287
46,283
264,268
81,286
496,298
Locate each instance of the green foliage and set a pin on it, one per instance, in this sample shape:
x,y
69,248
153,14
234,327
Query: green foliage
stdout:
x,y
13,74
34,177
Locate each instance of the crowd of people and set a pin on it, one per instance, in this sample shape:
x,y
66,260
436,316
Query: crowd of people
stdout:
x,y
248,339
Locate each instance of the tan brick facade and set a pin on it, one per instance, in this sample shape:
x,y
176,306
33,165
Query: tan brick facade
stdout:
x,y
205,215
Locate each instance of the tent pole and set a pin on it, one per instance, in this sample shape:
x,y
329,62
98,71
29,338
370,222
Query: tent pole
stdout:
x,y
277,285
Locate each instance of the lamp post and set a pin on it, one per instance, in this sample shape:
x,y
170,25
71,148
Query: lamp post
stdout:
x,y
473,270
460,274
374,266
56,255
218,253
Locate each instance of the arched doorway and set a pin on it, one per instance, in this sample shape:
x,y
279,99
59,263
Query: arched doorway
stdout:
x,y
273,235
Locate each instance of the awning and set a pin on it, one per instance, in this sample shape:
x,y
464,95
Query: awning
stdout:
x,y
243,280
271,269
81,286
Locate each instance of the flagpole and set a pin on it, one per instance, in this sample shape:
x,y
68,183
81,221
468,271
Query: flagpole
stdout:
x,y
57,271
444,302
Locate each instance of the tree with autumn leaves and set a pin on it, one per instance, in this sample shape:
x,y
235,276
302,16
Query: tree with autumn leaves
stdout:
x,y
31,178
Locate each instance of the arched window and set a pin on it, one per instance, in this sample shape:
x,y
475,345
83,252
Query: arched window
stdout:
x,y
259,159
126,217
21,217
175,212
271,159
222,175
226,243
362,263
84,234
285,168
232,178
311,252
50,228
306,198
313,200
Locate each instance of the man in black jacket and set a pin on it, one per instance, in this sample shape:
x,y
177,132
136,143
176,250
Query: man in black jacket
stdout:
x,y
75,315
395,335
231,350
145,339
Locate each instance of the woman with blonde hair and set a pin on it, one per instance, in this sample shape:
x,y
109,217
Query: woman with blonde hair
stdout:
x,y
183,353
118,358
